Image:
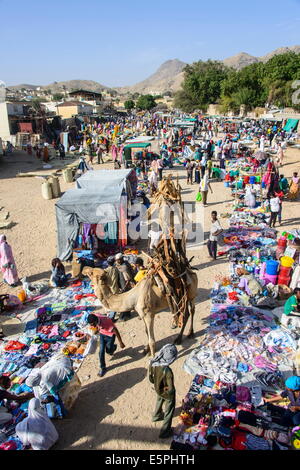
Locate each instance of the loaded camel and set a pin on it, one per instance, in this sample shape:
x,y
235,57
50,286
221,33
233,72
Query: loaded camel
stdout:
x,y
146,298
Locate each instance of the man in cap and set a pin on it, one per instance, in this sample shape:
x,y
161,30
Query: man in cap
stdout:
x,y
161,375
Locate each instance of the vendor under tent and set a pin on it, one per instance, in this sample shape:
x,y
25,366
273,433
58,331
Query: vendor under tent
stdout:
x,y
83,206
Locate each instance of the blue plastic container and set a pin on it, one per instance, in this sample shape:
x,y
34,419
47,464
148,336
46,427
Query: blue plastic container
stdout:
x,y
252,179
272,267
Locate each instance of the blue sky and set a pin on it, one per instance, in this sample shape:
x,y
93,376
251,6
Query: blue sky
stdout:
x,y
119,43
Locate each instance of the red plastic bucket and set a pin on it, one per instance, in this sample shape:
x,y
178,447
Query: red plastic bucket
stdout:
x,y
282,242
285,280
284,271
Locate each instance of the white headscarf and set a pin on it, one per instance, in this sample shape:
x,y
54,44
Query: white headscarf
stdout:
x,y
165,357
37,430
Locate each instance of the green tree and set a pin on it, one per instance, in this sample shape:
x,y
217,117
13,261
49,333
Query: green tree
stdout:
x,y
129,105
146,102
58,96
201,85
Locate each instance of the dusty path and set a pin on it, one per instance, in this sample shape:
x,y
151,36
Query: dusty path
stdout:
x,y
114,412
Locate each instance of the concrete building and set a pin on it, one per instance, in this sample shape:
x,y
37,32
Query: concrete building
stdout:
x,y
69,109
10,114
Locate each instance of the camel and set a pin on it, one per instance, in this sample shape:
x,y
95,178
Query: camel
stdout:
x,y
145,298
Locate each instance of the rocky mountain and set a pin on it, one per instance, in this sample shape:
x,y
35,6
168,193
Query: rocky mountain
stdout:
x,y
280,50
69,85
75,85
23,85
240,60
168,77
243,59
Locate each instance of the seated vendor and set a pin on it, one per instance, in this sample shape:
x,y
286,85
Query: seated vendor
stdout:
x,y
291,314
248,282
58,275
5,384
141,271
290,416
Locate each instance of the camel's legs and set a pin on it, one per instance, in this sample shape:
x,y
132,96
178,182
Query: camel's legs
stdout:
x,y
192,313
149,322
178,340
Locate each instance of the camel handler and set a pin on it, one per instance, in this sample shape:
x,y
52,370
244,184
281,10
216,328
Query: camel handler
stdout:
x,y
162,377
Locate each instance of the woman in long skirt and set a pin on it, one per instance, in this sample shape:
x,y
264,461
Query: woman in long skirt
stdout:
x,y
7,263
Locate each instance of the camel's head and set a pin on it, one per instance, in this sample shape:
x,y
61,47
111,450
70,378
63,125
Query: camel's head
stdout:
x,y
96,275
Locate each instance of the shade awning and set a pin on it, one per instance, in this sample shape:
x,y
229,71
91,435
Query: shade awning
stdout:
x,y
291,125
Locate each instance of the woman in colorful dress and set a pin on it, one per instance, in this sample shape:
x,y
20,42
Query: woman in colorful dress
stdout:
x,y
7,263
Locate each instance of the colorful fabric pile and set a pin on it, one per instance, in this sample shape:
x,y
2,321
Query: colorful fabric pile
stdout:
x,y
56,327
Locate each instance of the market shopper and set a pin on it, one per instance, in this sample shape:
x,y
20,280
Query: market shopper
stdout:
x,y
294,187
7,263
161,375
275,209
108,332
215,231
203,188
189,168
5,385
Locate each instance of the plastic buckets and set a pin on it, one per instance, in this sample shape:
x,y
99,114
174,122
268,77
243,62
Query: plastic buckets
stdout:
x,y
263,185
246,179
284,280
284,271
270,278
287,261
272,267
252,180
282,242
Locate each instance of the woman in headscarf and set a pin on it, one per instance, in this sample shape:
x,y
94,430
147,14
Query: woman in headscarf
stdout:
x,y
7,263
58,275
47,381
290,416
294,187
36,430
161,375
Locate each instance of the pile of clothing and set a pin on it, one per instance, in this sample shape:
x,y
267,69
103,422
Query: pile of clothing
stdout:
x,y
56,327
238,348
221,416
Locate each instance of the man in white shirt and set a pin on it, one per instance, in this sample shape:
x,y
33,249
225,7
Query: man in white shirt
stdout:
x,y
215,231
275,207
203,187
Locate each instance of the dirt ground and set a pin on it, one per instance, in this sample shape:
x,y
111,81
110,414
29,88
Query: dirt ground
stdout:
x,y
114,412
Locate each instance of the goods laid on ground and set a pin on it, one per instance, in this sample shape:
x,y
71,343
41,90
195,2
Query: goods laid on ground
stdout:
x,y
246,355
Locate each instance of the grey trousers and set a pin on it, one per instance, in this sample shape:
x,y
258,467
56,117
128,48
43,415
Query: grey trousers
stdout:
x,y
167,414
